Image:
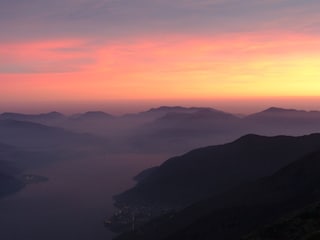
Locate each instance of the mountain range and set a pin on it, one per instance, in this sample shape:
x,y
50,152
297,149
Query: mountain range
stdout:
x,y
35,135
226,190
212,170
178,129
235,213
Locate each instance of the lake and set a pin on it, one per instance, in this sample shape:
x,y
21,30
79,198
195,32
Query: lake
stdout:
x,y
75,200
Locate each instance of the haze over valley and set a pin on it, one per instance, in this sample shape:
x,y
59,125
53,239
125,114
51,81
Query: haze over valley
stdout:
x,y
75,172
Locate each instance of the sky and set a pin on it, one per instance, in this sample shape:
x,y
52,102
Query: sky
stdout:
x,y
121,55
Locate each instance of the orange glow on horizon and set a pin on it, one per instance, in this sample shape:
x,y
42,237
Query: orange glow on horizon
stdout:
x,y
172,67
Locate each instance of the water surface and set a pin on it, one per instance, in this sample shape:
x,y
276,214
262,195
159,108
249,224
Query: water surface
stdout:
x,y
75,200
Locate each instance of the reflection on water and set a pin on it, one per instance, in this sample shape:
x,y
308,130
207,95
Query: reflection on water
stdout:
x,y
75,200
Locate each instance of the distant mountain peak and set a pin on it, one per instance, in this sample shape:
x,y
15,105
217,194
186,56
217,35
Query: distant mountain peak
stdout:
x,y
287,110
180,109
250,136
166,108
11,114
97,114
280,110
40,116
92,115
54,113
291,114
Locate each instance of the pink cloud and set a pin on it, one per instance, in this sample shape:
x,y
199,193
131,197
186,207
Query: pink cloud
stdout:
x,y
44,56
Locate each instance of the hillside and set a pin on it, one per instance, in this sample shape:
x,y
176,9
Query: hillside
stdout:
x,y
243,209
276,120
177,129
301,225
34,135
50,118
212,170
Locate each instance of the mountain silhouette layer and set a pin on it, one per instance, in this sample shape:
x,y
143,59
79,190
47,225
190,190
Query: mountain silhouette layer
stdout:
x,y
213,170
234,214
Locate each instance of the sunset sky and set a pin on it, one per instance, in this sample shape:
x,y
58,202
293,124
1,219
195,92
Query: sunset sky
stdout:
x,y
240,55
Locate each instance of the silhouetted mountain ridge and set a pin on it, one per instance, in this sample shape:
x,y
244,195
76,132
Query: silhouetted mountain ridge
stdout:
x,y
42,117
177,129
177,109
285,113
301,225
201,114
212,170
92,115
235,213
31,134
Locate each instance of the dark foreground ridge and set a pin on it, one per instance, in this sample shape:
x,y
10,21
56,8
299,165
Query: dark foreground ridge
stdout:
x,y
234,214
213,170
303,224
